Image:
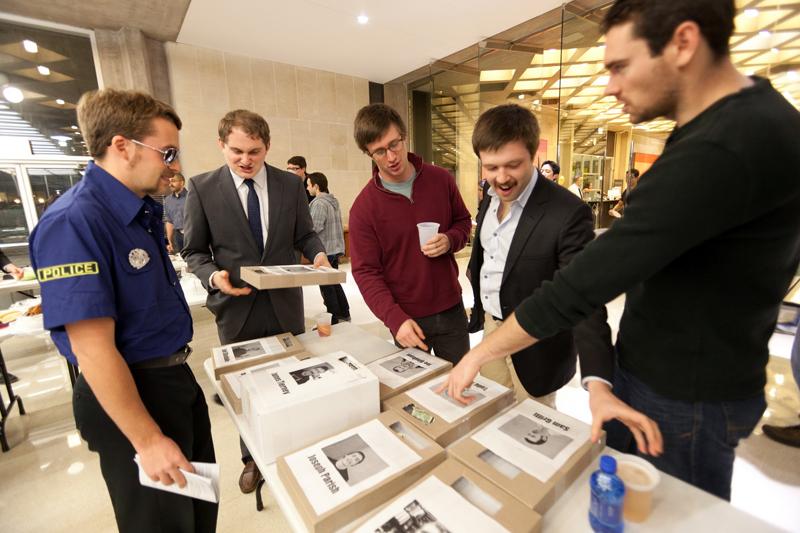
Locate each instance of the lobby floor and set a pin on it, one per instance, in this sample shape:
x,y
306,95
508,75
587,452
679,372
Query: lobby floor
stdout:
x,y
50,481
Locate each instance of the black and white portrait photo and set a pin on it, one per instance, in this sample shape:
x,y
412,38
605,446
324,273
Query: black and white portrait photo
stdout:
x,y
413,519
248,350
311,373
535,436
403,366
354,459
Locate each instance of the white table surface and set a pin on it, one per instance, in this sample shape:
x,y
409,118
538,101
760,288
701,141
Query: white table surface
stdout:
x,y
677,506
13,285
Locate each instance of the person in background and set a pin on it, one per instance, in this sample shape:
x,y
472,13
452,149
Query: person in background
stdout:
x,y
297,165
173,212
575,187
789,435
551,170
9,267
632,179
327,219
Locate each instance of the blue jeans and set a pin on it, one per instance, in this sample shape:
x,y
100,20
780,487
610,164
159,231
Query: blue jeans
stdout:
x,y
700,438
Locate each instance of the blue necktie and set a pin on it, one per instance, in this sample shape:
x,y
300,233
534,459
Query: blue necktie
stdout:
x,y
254,216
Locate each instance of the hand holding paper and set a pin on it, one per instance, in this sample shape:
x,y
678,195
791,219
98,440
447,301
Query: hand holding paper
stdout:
x,y
605,406
201,483
162,460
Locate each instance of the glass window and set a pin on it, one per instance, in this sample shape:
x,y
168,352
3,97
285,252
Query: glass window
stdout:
x,y
48,184
13,227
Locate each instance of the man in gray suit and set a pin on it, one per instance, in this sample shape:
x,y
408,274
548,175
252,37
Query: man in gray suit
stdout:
x,y
242,214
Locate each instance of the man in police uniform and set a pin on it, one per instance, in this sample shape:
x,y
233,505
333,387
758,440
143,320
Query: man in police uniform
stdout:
x,y
113,305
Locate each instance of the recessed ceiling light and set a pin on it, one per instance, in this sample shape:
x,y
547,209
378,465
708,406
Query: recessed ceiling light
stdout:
x,y
792,75
74,127
30,46
362,19
764,33
752,13
521,96
59,101
44,71
13,94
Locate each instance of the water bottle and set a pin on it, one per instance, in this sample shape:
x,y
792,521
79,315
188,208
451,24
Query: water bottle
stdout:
x,y
607,491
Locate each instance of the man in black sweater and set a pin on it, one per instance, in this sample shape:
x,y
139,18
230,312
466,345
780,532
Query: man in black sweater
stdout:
x,y
703,281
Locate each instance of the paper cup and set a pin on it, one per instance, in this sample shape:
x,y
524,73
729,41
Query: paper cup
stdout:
x,y
324,324
641,479
427,231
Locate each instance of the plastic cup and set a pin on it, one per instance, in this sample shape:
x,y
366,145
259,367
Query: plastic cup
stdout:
x,y
324,324
427,231
641,479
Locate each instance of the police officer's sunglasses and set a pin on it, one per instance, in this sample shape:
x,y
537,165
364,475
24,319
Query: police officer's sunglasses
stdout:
x,y
169,155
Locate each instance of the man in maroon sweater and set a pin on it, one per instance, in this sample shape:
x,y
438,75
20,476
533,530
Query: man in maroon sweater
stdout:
x,y
413,290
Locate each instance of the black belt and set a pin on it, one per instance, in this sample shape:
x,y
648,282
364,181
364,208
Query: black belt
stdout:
x,y
177,358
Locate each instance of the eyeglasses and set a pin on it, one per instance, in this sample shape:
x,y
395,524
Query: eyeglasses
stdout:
x,y
169,155
395,146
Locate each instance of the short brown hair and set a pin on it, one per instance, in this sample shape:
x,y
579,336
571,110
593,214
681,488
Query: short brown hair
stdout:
x,y
109,112
504,124
372,121
251,123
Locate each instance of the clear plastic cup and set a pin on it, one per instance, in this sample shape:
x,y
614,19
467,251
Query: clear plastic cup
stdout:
x,y
427,231
641,479
324,324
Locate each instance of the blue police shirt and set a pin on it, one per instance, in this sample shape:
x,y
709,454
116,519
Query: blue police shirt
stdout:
x,y
99,252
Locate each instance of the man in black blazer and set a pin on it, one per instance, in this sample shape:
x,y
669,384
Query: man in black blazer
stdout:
x,y
248,213
528,227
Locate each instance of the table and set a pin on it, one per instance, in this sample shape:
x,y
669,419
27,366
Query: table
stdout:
x,y
678,506
13,285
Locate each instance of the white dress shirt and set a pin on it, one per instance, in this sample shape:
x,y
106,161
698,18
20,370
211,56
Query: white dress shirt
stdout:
x,y
243,190
496,237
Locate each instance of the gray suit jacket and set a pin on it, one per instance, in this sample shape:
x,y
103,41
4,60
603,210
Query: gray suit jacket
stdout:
x,y
218,237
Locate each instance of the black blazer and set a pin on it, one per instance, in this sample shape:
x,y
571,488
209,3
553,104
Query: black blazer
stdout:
x,y
217,237
553,227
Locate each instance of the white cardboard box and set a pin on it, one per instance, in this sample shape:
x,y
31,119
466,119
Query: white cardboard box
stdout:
x,y
231,382
299,403
285,276
240,355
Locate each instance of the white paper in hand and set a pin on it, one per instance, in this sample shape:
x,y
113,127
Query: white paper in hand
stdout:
x,y
203,484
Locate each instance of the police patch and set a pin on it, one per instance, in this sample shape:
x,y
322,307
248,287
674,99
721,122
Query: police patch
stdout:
x,y
69,270
138,258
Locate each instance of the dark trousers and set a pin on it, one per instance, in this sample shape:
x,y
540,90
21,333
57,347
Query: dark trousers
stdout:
x,y
261,322
334,297
700,438
446,333
175,401
177,241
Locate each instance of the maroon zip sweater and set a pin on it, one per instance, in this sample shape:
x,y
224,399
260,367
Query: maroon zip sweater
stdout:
x,y
396,280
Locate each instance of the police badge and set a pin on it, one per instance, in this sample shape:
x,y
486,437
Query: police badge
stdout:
x,y
138,258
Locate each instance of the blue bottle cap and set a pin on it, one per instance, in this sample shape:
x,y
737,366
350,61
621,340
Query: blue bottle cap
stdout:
x,y
608,464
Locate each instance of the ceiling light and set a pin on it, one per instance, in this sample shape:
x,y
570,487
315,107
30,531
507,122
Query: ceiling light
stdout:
x,y
13,94
774,50
764,33
521,96
74,127
362,19
44,71
30,46
792,75
59,101
751,13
